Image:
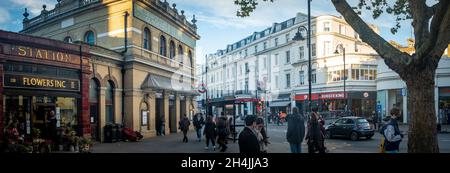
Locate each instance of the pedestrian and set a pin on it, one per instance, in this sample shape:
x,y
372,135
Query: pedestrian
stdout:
x,y
315,135
222,132
184,126
374,119
210,132
262,135
392,133
296,130
248,140
198,124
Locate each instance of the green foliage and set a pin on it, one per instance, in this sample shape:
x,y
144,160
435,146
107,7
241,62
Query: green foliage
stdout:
x,y
247,6
400,9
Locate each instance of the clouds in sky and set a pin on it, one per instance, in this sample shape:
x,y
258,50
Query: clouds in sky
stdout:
x,y
4,15
34,6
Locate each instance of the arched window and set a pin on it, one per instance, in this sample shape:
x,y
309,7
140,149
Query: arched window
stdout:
x,y
180,53
68,39
147,39
109,102
162,46
190,59
172,50
89,38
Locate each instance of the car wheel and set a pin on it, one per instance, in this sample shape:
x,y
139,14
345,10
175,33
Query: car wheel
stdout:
x,y
369,137
354,136
328,135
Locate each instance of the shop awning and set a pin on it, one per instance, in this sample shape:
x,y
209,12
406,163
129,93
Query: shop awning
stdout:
x,y
279,104
157,82
153,81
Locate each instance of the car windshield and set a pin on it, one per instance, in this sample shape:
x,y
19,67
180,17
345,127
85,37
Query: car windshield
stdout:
x,y
362,121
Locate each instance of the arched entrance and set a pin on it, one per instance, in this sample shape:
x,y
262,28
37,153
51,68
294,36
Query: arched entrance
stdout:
x,y
94,109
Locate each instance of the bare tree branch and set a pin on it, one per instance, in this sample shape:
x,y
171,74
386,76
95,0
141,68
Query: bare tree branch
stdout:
x,y
436,28
393,58
443,38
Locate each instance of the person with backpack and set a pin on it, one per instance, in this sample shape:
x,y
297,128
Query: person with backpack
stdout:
x,y
296,130
391,133
210,132
222,132
184,126
198,124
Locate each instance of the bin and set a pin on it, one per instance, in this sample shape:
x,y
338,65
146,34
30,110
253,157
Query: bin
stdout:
x,y
108,133
119,132
114,133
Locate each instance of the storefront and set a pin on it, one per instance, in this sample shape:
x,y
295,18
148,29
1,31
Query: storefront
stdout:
x,y
44,86
282,103
359,103
444,105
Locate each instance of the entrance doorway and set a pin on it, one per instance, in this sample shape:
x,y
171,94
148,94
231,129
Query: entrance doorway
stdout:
x,y
95,131
159,116
39,119
172,116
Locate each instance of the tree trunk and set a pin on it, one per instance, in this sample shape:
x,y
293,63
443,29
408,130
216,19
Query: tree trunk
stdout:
x,y
422,135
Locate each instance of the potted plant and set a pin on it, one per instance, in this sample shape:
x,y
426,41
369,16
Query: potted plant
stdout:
x,y
85,145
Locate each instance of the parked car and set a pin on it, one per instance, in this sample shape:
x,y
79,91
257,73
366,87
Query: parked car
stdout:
x,y
351,127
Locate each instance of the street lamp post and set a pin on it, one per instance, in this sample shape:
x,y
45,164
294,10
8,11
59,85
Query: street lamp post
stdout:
x,y
299,37
340,46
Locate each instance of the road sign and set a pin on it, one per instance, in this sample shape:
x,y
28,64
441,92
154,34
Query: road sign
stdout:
x,y
379,108
403,91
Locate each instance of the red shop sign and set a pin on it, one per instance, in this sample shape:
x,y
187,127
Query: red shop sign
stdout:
x,y
302,97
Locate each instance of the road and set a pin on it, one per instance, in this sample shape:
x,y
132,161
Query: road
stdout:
x,y
277,136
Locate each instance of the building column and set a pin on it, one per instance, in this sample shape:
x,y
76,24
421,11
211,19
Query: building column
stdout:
x,y
166,113
118,106
177,111
436,102
152,116
189,110
102,113
405,109
85,118
386,111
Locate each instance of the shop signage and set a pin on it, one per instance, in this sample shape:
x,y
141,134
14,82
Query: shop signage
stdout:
x,y
366,94
35,82
332,96
322,96
44,54
240,100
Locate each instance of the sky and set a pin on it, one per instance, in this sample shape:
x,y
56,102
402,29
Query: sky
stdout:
x,y
217,23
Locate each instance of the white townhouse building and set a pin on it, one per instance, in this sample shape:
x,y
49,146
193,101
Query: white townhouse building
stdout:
x,y
279,65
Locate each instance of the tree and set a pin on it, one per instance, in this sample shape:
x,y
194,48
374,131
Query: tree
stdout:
x,y
432,35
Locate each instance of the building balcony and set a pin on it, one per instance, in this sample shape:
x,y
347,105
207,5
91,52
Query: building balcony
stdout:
x,y
162,61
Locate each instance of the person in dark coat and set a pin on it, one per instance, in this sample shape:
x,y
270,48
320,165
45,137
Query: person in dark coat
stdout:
x,y
315,135
248,141
184,126
222,131
210,132
296,130
198,124
51,126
